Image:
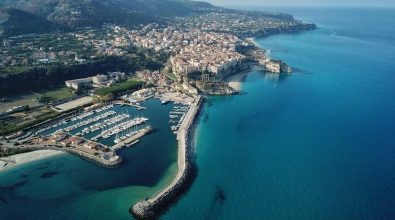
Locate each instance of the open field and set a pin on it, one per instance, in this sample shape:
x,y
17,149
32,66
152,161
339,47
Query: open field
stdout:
x,y
58,94
75,103
130,85
18,101
17,121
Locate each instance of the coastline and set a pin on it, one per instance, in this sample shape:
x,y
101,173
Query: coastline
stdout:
x,y
186,170
14,161
154,207
235,81
55,151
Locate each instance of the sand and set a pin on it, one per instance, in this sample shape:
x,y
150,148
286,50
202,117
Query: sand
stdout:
x,y
18,159
235,81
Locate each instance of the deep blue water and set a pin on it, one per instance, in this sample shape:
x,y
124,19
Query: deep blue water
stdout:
x,y
318,144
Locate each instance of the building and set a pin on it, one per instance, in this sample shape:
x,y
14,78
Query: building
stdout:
x,y
100,80
142,93
58,137
76,140
117,76
92,145
78,83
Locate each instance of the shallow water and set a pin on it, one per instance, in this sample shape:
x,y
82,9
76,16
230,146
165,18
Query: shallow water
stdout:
x,y
67,187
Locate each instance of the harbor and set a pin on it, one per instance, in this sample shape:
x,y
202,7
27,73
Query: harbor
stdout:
x,y
95,133
153,207
100,125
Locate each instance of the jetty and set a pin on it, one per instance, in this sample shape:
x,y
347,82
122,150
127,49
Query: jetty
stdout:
x,y
134,139
154,206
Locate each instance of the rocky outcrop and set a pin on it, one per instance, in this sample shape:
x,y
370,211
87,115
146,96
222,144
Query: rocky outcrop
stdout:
x,y
275,66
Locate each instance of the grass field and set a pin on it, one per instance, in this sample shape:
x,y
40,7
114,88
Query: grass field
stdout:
x,y
57,94
18,101
17,121
130,85
28,99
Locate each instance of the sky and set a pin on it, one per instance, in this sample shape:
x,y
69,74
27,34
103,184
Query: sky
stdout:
x,y
306,2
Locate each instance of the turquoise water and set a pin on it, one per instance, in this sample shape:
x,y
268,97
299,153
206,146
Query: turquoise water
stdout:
x,y
318,144
66,187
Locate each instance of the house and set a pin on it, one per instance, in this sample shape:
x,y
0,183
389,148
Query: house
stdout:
x,y
76,140
59,137
92,145
99,80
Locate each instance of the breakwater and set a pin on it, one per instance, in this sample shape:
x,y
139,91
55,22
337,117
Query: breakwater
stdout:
x,y
153,207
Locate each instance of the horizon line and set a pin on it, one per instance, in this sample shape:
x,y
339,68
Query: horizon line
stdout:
x,y
310,6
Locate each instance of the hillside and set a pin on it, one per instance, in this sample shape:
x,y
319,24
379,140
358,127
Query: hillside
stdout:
x,y
15,22
95,13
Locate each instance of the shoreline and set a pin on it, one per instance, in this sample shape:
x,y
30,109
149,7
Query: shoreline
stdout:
x,y
186,171
35,151
16,160
235,81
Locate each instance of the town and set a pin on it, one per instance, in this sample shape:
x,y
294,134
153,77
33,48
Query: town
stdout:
x,y
187,58
125,84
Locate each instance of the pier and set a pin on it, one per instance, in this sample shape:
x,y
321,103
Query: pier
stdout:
x,y
134,139
154,206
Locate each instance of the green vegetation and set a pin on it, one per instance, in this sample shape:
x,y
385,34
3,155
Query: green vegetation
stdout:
x,y
57,94
52,14
54,74
14,69
7,128
17,22
127,86
169,73
13,151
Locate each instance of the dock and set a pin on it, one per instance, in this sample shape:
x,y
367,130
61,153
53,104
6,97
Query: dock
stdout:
x,y
138,107
151,208
133,139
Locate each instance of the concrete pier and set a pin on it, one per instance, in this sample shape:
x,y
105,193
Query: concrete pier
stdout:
x,y
154,206
133,138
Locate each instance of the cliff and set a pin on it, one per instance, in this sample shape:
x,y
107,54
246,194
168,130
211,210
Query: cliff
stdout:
x,y
275,66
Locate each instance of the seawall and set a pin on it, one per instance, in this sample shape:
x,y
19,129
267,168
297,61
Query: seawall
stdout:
x,y
153,207
82,155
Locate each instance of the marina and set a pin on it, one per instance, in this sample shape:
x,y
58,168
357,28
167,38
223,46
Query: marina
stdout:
x,y
108,125
176,116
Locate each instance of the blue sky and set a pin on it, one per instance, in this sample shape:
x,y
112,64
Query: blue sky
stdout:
x,y
306,2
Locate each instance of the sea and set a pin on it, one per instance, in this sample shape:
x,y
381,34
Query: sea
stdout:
x,y
316,144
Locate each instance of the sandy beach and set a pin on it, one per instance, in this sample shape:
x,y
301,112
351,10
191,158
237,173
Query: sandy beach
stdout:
x,y
235,81
14,160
